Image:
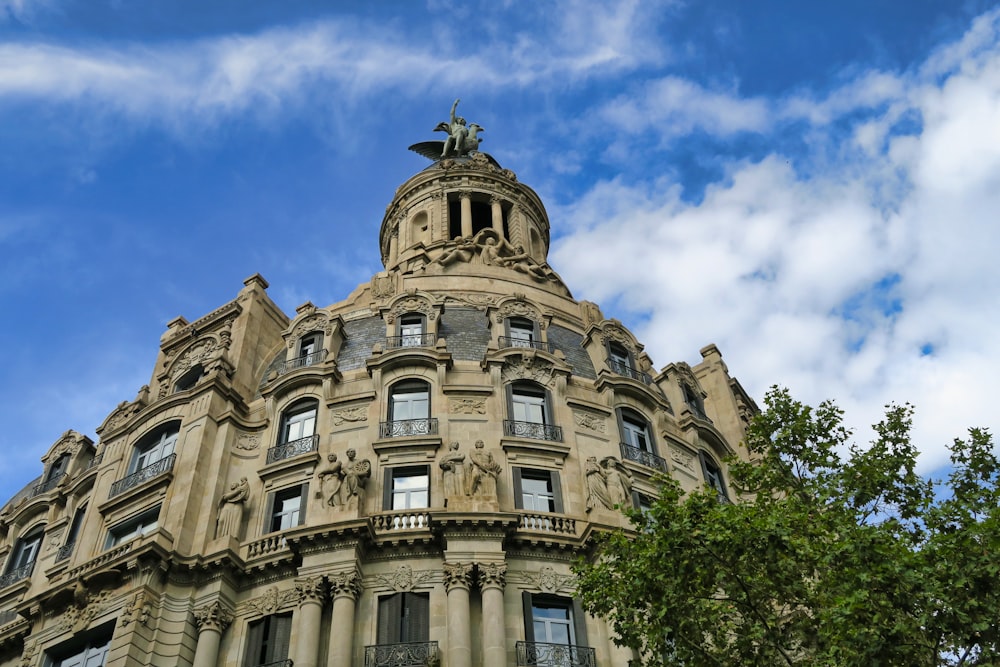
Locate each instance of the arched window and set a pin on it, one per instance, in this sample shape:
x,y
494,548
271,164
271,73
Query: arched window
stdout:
x,y
694,400
530,412
155,447
638,443
409,410
23,556
713,475
297,434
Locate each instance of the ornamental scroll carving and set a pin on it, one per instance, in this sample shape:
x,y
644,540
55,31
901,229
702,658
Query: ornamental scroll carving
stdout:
x,y
29,652
590,421
476,300
272,600
492,575
546,579
247,441
355,414
527,368
345,584
404,579
69,443
518,307
124,412
411,304
613,333
212,616
457,575
319,321
468,406
383,287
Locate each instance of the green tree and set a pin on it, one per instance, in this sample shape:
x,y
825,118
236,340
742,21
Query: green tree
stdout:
x,y
835,554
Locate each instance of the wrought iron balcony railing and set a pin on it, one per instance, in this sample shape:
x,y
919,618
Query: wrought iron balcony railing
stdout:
x,y
643,457
162,466
621,368
16,575
409,654
287,450
47,485
540,654
532,430
508,341
402,428
410,340
65,551
310,359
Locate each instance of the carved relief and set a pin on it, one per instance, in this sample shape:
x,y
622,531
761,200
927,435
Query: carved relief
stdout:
x,y
212,616
492,575
517,308
404,578
319,321
527,368
468,406
546,579
615,333
137,611
29,652
121,414
355,414
477,300
310,589
383,287
411,304
247,441
457,575
345,584
682,458
272,600
590,421
84,609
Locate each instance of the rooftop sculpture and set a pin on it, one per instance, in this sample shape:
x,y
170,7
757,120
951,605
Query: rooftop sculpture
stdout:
x,y
463,139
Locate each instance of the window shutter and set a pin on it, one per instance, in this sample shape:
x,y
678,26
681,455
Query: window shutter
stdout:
x,y
636,499
536,331
704,466
621,425
390,609
529,620
255,635
579,624
518,492
556,492
269,515
281,634
387,490
304,494
549,416
416,617
509,393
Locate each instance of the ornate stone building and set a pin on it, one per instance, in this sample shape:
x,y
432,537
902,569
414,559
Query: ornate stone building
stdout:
x,y
400,478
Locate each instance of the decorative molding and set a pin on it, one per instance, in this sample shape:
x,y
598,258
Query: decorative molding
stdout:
x,y
29,652
683,459
546,579
358,413
457,575
479,301
527,368
411,304
383,287
492,575
247,441
318,321
615,333
272,600
590,421
518,307
404,578
137,611
468,406
311,589
212,616
345,584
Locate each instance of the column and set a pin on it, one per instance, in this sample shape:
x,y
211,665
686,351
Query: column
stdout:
x,y
312,595
497,216
345,587
211,621
492,579
466,199
457,581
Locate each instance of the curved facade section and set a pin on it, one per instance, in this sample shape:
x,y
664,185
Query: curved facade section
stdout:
x,y
400,478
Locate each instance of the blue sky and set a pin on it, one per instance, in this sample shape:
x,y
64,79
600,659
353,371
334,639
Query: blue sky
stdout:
x,y
811,186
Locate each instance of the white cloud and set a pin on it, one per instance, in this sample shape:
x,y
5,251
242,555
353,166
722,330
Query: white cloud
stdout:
x,y
794,276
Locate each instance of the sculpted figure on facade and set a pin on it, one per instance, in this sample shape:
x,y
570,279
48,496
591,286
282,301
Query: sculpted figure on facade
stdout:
x,y
356,474
462,139
453,473
483,472
597,485
331,480
619,481
231,509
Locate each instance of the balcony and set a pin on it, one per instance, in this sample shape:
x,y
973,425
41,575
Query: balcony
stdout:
x,y
65,551
641,456
415,654
162,466
16,575
410,340
415,519
547,522
403,428
620,368
540,654
532,430
311,359
506,342
47,485
287,450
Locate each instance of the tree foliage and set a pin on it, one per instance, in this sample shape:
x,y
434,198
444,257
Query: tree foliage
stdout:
x,y
835,555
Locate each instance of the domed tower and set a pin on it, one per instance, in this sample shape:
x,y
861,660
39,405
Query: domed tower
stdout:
x,y
400,478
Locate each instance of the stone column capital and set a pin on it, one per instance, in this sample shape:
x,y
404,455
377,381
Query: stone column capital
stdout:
x,y
457,575
492,575
465,194
212,616
311,590
345,584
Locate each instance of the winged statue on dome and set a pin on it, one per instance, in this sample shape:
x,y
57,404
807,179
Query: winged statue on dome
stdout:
x,y
463,139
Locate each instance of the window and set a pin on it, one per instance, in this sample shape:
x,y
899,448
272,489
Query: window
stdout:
x,y
189,379
521,332
141,525
411,330
88,650
155,447
23,556
635,431
58,468
299,421
694,400
713,475
310,346
407,488
551,619
537,490
409,410
287,508
530,412
268,640
74,531
403,617
619,359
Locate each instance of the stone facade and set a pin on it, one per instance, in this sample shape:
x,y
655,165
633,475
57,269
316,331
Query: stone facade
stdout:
x,y
403,477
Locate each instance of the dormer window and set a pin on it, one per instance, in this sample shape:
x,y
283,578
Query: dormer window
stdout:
x,y
619,359
521,332
411,330
310,348
189,379
694,400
